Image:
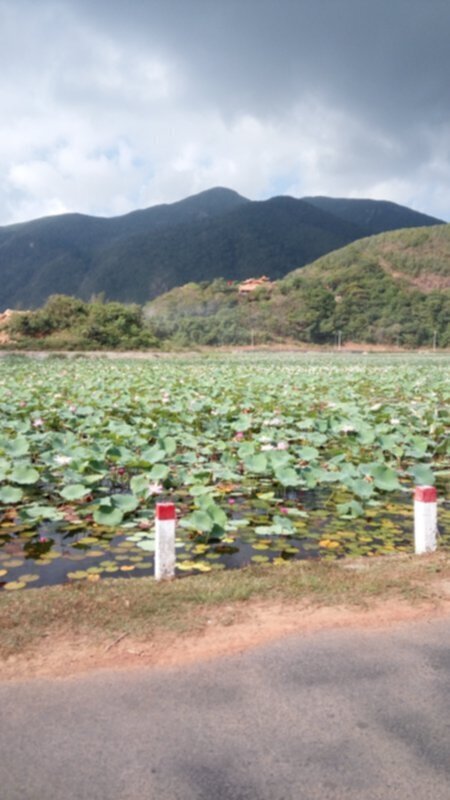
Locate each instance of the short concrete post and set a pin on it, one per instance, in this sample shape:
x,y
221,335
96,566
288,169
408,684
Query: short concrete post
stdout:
x,y
425,519
165,541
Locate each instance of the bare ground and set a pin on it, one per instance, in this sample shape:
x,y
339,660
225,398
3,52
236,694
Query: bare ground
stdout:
x,y
286,347
228,631
59,631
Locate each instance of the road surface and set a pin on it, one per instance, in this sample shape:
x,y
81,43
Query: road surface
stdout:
x,y
335,715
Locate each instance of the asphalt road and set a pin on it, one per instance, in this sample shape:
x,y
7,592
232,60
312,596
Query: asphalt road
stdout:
x,y
353,715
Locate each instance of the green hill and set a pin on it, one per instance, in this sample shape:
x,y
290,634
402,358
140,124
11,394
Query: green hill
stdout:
x,y
419,257
393,288
217,233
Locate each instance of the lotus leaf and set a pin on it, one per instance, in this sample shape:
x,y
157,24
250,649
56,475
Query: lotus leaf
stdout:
x,y
10,495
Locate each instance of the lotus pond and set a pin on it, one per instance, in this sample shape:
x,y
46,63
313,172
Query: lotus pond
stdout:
x,y
267,456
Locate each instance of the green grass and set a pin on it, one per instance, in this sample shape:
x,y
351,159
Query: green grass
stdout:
x,y
144,609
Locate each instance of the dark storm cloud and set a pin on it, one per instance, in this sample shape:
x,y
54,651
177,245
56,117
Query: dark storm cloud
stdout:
x,y
110,105
388,59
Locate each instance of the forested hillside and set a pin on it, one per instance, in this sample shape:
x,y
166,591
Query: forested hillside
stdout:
x,y
215,234
391,289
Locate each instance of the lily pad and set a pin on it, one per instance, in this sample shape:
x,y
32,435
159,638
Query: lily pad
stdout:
x,y
24,475
108,515
148,545
75,491
10,495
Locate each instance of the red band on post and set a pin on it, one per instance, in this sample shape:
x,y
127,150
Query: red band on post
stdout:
x,y
425,494
165,511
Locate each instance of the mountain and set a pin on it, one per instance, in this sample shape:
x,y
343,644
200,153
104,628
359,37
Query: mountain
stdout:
x,y
375,216
266,237
217,233
57,254
391,289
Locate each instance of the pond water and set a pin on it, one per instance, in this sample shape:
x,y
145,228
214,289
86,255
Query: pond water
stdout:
x,y
51,554
93,444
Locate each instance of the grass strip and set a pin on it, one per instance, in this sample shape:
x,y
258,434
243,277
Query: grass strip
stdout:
x,y
141,607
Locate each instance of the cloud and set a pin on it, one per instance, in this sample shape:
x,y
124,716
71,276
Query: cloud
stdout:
x,y
111,106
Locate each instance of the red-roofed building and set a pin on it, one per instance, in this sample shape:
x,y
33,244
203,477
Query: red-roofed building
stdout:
x,y
254,283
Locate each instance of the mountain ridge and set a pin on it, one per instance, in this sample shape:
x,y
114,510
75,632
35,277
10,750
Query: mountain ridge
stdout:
x,y
379,215
215,233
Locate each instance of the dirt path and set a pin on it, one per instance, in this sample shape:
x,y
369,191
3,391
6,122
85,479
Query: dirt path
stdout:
x,y
289,348
232,629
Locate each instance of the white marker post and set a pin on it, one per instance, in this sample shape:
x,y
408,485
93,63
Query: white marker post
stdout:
x,y
425,519
165,541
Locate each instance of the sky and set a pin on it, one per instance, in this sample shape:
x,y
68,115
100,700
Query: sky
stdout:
x,y
108,106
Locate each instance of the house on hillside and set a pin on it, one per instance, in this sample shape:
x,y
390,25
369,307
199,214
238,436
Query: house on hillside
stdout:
x,y
254,283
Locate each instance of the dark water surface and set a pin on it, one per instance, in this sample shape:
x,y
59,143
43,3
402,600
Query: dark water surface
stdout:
x,y
53,554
